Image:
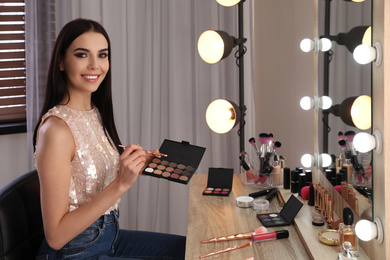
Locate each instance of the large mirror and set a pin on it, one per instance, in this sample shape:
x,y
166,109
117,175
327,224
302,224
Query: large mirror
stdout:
x,y
343,79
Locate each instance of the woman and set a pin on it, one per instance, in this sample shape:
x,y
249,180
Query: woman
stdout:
x,y
82,169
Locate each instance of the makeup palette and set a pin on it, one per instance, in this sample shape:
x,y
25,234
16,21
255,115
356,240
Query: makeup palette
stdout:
x,y
181,163
219,182
286,215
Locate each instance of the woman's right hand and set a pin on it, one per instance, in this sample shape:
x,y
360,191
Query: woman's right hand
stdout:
x,y
132,161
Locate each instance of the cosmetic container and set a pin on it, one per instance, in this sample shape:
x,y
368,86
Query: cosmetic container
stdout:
x,y
294,181
260,205
286,178
301,182
276,174
279,234
309,177
317,219
349,167
311,195
346,254
347,232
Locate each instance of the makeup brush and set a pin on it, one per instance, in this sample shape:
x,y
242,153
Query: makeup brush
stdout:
x,y
263,137
341,135
148,151
344,148
277,145
350,135
227,249
252,141
270,142
237,236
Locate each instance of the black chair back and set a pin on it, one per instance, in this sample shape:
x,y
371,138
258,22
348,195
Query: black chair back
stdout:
x,y
21,228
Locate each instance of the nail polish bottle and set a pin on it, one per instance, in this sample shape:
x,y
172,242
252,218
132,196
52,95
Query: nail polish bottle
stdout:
x,y
347,231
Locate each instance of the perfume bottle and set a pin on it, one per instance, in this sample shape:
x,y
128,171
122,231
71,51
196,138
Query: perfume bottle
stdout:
x,y
346,255
347,232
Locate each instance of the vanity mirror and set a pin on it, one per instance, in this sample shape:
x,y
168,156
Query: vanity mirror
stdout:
x,y
344,80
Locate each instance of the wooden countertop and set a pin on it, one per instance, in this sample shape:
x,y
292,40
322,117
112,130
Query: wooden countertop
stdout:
x,y
214,216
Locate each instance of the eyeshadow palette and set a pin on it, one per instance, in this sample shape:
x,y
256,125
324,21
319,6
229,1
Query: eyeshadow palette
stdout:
x,y
181,163
219,182
286,215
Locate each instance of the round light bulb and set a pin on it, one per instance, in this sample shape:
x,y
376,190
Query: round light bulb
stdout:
x,y
307,160
306,103
326,160
325,102
364,54
361,112
366,230
364,142
210,46
228,2
221,116
325,44
307,45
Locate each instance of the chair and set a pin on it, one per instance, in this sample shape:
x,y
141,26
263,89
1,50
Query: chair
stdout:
x,y
21,227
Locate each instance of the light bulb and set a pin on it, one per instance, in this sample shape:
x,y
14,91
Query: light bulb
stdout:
x,y
306,103
361,112
323,102
209,46
364,142
307,45
228,2
364,54
367,230
307,160
325,44
325,160
221,116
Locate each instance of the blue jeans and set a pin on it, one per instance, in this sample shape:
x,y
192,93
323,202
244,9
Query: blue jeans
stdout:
x,y
104,240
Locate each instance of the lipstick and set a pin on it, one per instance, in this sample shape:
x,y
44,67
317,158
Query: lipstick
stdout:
x,y
279,234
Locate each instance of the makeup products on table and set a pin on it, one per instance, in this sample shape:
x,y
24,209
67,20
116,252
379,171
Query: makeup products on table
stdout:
x,y
347,231
261,193
261,205
294,181
244,202
227,249
329,237
219,182
181,163
311,195
286,178
237,236
286,215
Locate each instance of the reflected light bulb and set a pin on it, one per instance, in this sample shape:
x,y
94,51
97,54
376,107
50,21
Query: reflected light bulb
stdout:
x,y
361,112
325,44
307,45
326,160
364,142
325,102
306,103
364,54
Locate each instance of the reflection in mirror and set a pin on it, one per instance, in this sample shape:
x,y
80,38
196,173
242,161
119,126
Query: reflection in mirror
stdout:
x,y
347,24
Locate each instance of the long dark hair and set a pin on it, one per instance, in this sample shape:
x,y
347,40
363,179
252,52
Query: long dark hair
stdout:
x,y
56,87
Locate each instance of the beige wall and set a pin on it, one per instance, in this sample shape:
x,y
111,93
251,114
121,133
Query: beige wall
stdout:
x,y
283,74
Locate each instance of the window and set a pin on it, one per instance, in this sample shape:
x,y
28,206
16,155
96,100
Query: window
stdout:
x,y
12,66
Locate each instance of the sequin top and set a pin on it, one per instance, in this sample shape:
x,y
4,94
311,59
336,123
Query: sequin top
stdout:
x,y
95,163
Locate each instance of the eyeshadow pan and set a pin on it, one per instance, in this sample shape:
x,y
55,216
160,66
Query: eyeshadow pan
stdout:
x,y
181,166
169,169
178,171
273,215
156,160
206,191
173,164
186,173
149,170
183,178
164,163
161,167
158,172
153,165
175,176
190,168
226,190
166,174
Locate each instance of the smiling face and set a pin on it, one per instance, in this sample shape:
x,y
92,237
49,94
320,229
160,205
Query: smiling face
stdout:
x,y
86,63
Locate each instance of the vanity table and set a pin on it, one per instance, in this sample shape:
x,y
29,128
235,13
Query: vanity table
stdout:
x,y
215,216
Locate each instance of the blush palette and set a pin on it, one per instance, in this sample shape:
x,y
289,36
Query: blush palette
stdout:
x,y
286,215
219,182
180,164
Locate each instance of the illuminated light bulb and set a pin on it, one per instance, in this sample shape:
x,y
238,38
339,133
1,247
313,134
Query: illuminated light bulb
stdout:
x,y
364,54
222,116
315,45
306,103
322,160
323,102
228,3
361,112
307,160
367,230
209,46
364,142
